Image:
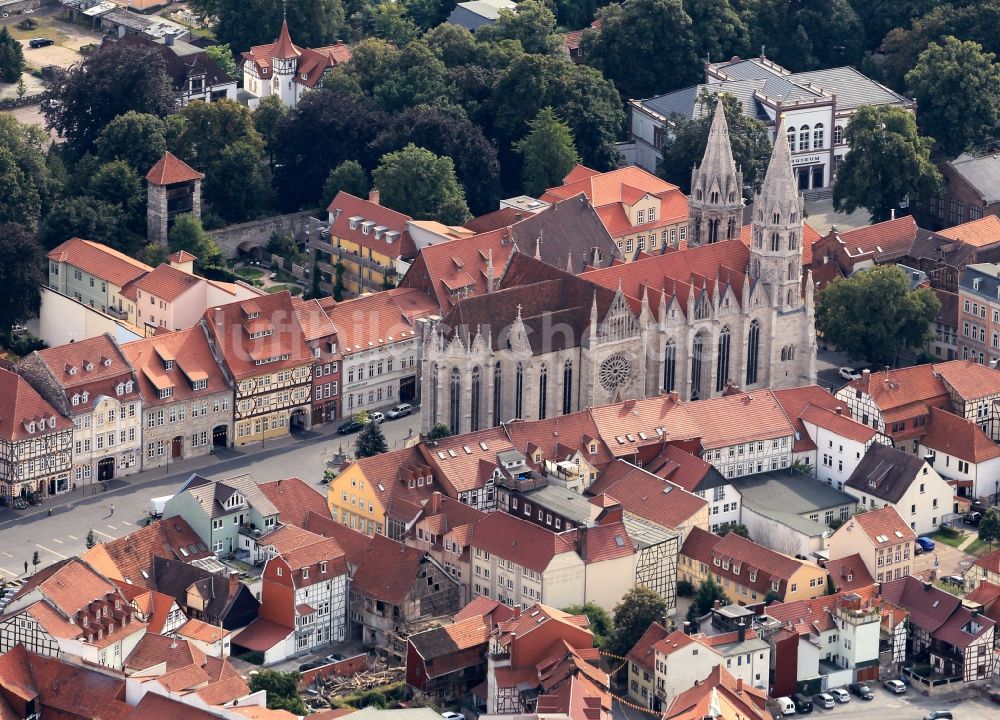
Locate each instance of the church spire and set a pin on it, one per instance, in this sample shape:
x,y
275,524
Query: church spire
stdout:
x,y
718,159
779,183
715,206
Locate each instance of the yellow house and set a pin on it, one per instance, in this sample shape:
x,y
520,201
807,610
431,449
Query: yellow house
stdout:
x,y
368,242
262,346
748,572
379,495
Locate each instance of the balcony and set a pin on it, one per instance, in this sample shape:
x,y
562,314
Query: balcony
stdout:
x,y
116,313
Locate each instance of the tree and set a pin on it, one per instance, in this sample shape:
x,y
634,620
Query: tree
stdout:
x,y
325,129
418,183
989,527
238,185
957,88
223,57
631,52
807,34
874,314
115,79
26,183
638,609
732,527
245,23
282,690
416,76
447,130
91,539
533,25
389,21
831,587
207,129
748,137
21,276
889,161
22,89
704,599
600,622
188,234
117,184
21,202
36,560
267,118
370,441
348,177
577,13
685,588
439,431
86,217
137,138
429,14
719,31
547,151
11,57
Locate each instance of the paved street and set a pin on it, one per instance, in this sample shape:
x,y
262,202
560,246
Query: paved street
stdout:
x,y
64,533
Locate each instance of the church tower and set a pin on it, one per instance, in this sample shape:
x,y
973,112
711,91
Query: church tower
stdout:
x,y
715,206
284,61
776,250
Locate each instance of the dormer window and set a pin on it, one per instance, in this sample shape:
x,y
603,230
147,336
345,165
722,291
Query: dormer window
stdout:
x,y
199,384
107,362
76,398
120,390
305,573
322,567
128,386
168,364
166,392
84,397
31,426
88,367
52,421
71,370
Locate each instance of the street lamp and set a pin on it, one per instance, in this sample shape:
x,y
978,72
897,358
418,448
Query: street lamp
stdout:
x,y
996,490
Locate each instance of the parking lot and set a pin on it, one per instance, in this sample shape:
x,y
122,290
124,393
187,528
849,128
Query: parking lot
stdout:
x,y
68,39
912,706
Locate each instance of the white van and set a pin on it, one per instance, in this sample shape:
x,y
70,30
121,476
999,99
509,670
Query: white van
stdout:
x,y
785,705
157,504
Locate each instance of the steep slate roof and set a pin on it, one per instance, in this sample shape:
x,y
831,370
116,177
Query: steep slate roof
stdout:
x,y
646,495
933,610
21,406
981,173
886,473
173,578
130,558
212,494
183,61
170,170
294,499
192,361
884,522
951,434
99,260
520,541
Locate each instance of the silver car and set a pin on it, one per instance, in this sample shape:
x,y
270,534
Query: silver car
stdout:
x,y
840,695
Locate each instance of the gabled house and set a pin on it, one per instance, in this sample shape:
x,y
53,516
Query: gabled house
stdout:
x,y
955,641
129,559
720,696
641,667
294,500
881,538
228,515
444,528
680,663
985,569
36,442
886,476
203,595
210,639
70,609
94,274
161,613
962,453
92,383
193,73
395,590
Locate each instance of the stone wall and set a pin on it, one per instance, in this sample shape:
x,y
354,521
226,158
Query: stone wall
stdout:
x,y
257,232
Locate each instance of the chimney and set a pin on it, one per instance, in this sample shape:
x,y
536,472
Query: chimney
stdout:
x,y
168,39
866,375
717,604
373,196
517,608
928,586
839,410
739,686
435,502
741,631
234,584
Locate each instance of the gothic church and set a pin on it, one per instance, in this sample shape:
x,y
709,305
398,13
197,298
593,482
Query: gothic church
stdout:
x,y
730,311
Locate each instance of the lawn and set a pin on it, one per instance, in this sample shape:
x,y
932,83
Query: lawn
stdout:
x,y
947,538
293,289
978,547
249,273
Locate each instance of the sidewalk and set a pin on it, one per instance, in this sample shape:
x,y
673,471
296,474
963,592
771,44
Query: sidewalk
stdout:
x,y
181,469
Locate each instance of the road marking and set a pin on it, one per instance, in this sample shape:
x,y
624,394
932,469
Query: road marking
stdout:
x,y
64,557
4,570
126,522
58,541
8,555
109,537
112,527
73,537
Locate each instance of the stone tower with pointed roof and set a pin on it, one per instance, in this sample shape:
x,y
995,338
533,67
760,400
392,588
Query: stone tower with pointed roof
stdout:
x,y
172,188
776,251
715,206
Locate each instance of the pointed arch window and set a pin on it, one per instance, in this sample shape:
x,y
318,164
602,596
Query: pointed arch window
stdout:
x,y
776,218
731,229
519,392
775,241
753,352
435,382
791,271
793,241
476,395
567,387
756,267
497,387
669,366
543,387
455,402
697,361
713,230
714,197
722,374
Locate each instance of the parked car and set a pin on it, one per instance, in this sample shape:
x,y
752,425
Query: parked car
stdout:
x,y
824,700
311,665
938,715
840,695
849,373
972,518
40,42
802,703
861,690
956,580
376,417
350,426
925,544
785,706
398,411
336,657
895,686
449,715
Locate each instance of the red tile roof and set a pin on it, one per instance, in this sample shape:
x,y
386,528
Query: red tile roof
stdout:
x,y
198,630
352,216
849,573
837,423
99,260
485,607
170,170
72,691
601,543
95,365
21,408
166,282
884,522
192,362
903,388
886,240
978,233
634,424
970,380
560,437
674,641
648,496
294,499
520,541
605,188
494,220
158,707
989,562
388,571
985,594
312,63
262,635
815,615
458,461
354,544
70,585
642,653
950,434
378,319
734,700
